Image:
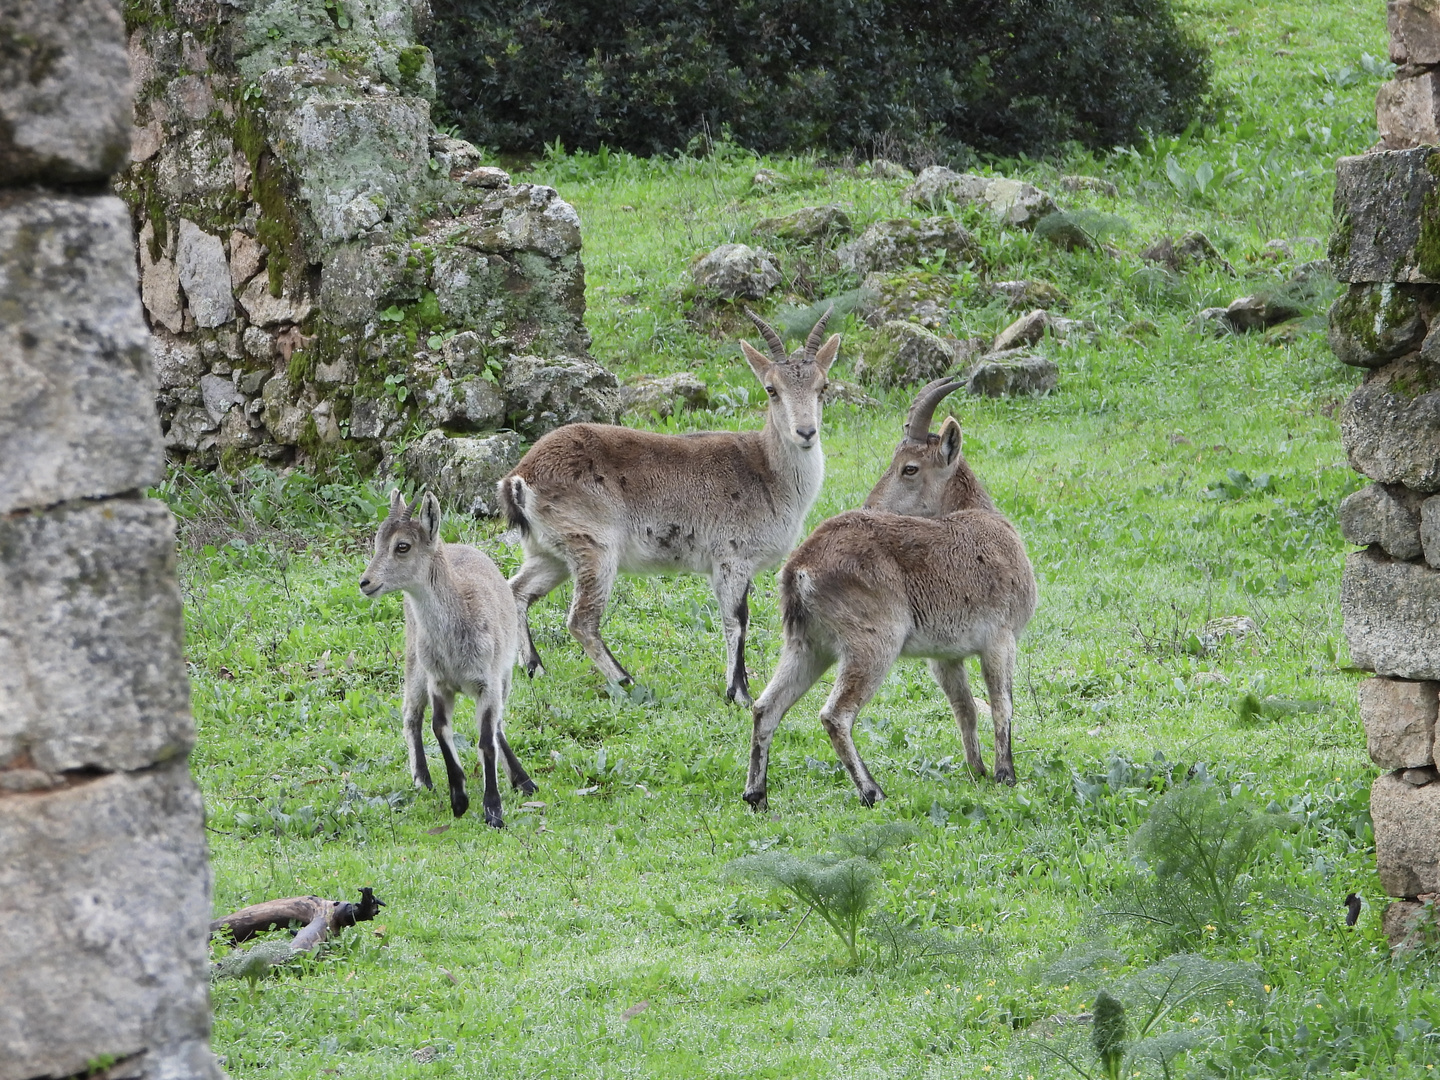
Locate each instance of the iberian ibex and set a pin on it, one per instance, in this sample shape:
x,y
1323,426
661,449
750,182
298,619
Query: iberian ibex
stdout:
x,y
929,568
461,637
592,501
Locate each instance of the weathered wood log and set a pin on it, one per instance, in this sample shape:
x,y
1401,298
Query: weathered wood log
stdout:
x,y
320,917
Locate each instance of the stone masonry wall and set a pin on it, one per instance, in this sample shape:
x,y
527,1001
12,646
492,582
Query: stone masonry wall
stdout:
x,y
321,269
104,879
1386,245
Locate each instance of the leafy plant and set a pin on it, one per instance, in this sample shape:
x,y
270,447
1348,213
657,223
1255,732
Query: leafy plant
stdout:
x,y
838,888
1147,1020
1198,846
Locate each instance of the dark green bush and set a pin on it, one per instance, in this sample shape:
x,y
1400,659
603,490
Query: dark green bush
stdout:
x,y
907,78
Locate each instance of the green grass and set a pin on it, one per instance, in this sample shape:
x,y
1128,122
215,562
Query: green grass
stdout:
x,y
522,953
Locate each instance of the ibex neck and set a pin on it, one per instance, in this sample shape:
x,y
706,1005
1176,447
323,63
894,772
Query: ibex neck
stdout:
x,y
800,470
966,492
429,592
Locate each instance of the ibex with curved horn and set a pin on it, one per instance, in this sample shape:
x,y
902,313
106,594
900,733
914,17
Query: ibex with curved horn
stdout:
x,y
592,501
461,637
929,568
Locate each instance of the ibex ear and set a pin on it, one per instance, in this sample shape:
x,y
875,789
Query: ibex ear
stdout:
x,y
397,503
759,363
950,440
825,355
430,517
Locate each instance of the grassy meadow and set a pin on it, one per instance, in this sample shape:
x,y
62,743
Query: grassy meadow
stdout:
x,y
1174,478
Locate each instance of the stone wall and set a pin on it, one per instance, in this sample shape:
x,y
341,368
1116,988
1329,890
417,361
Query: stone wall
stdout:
x,y
1386,245
104,881
322,270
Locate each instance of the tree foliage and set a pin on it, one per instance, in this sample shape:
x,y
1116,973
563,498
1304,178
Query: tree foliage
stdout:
x,y
899,76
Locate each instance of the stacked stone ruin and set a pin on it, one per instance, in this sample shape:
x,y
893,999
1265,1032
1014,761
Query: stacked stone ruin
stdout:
x,y
1386,246
104,879
323,271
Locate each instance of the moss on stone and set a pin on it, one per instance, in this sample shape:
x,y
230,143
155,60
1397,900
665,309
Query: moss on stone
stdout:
x,y
1340,238
412,61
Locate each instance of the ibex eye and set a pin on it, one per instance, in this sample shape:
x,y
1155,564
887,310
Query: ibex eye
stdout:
x,y
910,470
772,391
401,548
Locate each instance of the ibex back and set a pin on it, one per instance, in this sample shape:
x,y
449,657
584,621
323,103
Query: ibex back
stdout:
x,y
461,637
929,568
592,501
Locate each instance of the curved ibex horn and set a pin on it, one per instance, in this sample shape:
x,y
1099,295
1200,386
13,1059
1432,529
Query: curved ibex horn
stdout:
x,y
817,335
777,347
917,420
410,510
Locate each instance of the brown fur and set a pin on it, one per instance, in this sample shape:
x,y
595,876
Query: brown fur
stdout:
x,y
946,580
592,501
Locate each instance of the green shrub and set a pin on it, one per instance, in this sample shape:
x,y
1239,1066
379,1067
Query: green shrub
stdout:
x,y
907,78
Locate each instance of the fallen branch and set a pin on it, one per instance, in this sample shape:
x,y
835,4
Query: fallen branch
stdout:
x,y
320,917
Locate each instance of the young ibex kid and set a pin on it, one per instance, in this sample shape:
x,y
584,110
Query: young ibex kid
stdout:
x,y
592,501
929,568
461,637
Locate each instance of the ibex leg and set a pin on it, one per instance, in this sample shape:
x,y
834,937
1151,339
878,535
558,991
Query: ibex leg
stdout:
x,y
519,778
413,713
797,671
998,665
486,718
732,589
594,571
860,675
950,674
539,574
441,708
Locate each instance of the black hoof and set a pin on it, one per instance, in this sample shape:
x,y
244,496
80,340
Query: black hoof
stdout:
x,y
869,798
493,818
423,780
1006,777
527,787
758,800
459,802
534,667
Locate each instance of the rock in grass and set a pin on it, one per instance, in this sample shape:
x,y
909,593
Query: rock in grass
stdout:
x,y
843,393
902,242
1015,373
1192,249
904,354
923,298
1089,183
938,185
1016,203
736,272
660,395
807,225
1027,295
1247,314
1026,330
884,169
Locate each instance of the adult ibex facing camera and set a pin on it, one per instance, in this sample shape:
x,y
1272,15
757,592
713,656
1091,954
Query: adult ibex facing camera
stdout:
x,y
592,501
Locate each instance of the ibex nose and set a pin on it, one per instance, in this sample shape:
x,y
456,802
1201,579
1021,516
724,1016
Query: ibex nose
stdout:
x,y
364,583
806,433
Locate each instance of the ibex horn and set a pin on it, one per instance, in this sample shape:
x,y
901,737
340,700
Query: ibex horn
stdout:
x,y
410,510
777,347
817,335
917,420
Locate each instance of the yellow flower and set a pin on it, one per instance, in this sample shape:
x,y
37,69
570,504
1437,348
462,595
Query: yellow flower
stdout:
x,y
979,997
1267,988
932,892
990,983
927,989
1231,1002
